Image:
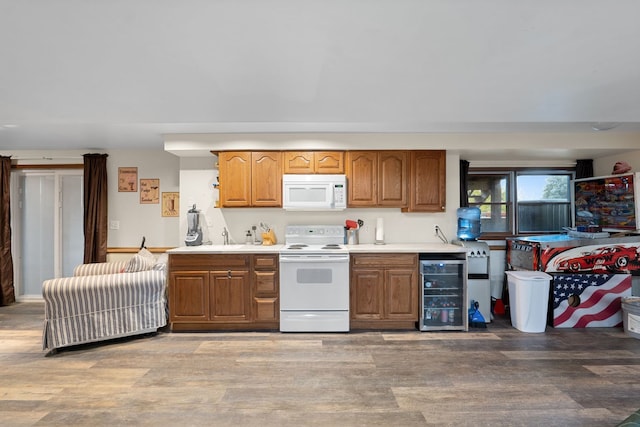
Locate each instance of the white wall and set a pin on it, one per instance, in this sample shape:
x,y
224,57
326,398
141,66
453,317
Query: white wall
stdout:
x,y
135,219
604,165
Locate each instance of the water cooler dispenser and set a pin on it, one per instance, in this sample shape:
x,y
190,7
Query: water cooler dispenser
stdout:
x,y
478,282
468,223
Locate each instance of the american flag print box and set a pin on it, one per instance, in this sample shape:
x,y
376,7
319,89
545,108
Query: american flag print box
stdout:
x,y
589,300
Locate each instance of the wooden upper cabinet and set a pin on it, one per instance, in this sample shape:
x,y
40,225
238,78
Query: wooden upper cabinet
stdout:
x,y
235,178
266,179
393,176
298,162
329,162
362,178
428,181
322,162
377,178
414,181
250,178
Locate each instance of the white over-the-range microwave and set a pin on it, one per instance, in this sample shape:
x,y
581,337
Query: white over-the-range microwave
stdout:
x,y
314,192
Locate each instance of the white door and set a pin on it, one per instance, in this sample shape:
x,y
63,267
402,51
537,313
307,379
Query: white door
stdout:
x,y
47,227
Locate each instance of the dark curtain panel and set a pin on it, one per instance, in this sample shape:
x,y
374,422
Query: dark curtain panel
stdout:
x,y
584,168
7,293
95,208
464,183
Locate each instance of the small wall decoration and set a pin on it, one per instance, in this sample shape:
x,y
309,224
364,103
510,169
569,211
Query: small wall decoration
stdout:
x,y
150,191
170,203
128,179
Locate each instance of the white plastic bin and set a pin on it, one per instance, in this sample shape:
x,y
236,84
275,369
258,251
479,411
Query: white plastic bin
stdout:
x,y
631,316
528,299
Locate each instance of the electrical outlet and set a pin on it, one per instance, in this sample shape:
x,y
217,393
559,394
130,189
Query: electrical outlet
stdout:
x,y
436,228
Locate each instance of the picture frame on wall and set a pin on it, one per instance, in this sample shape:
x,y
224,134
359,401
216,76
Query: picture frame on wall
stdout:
x,y
170,203
150,191
128,179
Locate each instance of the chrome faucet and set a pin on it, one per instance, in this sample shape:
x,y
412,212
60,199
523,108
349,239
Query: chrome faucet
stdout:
x,y
225,235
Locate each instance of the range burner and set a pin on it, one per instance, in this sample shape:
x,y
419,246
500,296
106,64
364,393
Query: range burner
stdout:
x,y
331,246
297,246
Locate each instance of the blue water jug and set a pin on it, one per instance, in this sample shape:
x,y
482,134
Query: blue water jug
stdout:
x,y
468,223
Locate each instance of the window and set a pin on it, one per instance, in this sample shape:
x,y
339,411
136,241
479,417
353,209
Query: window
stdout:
x,y
515,202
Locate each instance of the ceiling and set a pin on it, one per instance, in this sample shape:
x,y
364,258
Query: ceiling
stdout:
x,y
130,73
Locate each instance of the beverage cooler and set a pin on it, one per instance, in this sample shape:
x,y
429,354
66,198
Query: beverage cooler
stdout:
x,y
443,293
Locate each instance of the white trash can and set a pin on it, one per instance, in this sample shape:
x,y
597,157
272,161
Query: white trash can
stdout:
x,y
528,299
631,316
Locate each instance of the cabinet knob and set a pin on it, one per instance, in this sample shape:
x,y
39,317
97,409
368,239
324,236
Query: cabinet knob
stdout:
x,y
229,274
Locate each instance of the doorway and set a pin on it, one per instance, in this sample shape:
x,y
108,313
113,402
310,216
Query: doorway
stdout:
x,y
47,227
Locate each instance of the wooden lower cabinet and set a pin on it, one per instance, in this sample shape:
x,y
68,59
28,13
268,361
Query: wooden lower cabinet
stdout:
x,y
223,292
189,295
266,292
229,296
384,291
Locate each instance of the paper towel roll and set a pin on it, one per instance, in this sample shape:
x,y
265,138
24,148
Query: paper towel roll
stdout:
x,y
379,231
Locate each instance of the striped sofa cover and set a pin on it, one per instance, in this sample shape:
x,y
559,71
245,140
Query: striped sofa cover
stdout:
x,y
100,303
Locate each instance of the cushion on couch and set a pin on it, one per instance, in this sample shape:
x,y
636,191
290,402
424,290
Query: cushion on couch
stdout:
x,y
143,260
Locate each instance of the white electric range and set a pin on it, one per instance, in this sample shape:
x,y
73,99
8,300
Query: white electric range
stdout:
x,y
314,279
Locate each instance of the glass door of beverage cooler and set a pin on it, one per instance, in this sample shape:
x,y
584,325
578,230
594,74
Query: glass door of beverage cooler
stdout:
x,y
443,305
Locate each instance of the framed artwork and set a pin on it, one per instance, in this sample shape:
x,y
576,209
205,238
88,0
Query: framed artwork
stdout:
x,y
128,179
170,203
150,191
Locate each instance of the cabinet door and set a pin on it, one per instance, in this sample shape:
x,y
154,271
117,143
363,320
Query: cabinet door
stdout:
x,y
298,162
235,178
329,162
428,177
362,178
392,178
401,294
229,296
189,295
266,179
367,294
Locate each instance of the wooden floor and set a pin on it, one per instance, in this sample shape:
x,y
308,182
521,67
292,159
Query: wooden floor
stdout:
x,y
487,377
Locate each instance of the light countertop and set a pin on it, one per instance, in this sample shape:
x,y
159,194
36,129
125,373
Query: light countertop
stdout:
x,y
226,249
364,248
406,247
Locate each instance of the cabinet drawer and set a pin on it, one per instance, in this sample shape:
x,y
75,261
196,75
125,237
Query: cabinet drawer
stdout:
x,y
384,260
265,262
265,282
207,261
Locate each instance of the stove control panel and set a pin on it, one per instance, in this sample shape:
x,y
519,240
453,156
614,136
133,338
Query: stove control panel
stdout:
x,y
314,234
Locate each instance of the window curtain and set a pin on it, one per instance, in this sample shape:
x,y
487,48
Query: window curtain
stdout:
x,y
95,208
7,292
584,168
464,183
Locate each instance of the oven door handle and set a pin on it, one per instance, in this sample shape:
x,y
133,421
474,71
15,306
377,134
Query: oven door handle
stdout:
x,y
312,258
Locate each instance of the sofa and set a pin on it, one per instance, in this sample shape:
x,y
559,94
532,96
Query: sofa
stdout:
x,y
103,301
